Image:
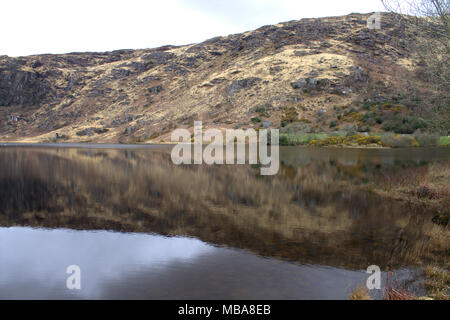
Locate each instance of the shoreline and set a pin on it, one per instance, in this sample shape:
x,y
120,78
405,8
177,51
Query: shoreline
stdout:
x,y
167,144
377,140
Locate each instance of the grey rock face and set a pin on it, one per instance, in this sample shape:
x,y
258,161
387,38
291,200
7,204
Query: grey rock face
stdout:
x,y
130,130
120,73
267,124
358,75
300,84
155,90
129,117
159,57
19,87
305,83
116,122
238,85
90,131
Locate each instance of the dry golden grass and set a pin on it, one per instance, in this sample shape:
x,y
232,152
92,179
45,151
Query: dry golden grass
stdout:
x,y
360,293
437,282
427,187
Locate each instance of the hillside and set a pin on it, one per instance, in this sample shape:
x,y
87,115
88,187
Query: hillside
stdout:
x,y
311,75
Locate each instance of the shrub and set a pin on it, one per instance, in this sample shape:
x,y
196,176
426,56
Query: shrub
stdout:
x,y
366,116
441,220
388,140
398,141
444,141
427,140
255,119
363,129
290,115
352,117
426,192
350,132
404,124
359,140
333,124
283,140
371,122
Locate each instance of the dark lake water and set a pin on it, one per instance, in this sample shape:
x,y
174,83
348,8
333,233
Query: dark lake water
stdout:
x,y
140,227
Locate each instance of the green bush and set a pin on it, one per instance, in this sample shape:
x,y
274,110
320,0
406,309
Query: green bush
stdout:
x,y
350,131
404,124
284,141
444,141
440,123
366,117
363,129
427,140
398,141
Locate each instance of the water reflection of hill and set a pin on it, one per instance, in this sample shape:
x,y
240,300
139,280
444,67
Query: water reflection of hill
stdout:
x,y
312,212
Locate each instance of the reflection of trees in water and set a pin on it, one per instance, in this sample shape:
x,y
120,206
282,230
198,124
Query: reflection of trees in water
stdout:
x,y
311,213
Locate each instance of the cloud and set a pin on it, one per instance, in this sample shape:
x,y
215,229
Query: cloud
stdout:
x,y
237,12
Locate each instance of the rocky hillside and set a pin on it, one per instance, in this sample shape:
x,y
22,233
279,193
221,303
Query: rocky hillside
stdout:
x,y
311,75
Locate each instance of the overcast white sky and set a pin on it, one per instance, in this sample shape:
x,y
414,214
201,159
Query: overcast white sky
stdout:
x,y
60,26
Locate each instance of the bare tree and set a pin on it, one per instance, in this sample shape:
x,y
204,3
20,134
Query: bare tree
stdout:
x,y
429,27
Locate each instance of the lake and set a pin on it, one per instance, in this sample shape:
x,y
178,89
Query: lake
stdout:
x,y
140,227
